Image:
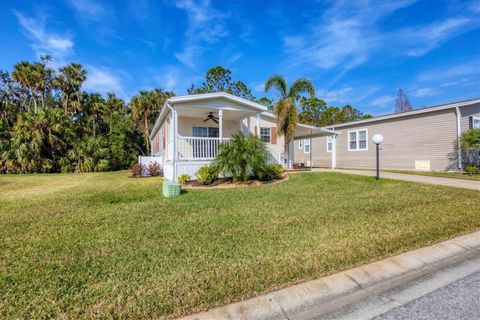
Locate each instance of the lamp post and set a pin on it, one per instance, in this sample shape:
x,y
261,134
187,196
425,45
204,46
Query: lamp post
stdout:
x,y
378,139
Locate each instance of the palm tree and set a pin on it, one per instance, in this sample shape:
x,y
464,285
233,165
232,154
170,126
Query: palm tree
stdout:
x,y
112,104
285,108
38,139
35,77
69,82
145,108
23,73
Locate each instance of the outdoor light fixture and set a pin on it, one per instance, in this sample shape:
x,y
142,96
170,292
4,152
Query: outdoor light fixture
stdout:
x,y
378,139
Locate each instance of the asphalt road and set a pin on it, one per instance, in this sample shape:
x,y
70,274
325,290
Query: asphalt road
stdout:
x,y
459,300
450,293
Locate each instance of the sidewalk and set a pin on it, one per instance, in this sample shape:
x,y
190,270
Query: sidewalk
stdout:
x,y
449,182
318,298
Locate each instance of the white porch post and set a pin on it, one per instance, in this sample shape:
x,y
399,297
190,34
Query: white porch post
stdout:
x,y
334,151
258,124
311,152
175,136
220,125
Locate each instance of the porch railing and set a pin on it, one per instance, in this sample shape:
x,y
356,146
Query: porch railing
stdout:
x,y
198,148
195,148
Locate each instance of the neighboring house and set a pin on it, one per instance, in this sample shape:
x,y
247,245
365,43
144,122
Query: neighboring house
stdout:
x,y
423,139
189,129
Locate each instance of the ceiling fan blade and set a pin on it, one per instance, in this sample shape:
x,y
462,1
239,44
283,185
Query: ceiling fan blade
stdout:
x,y
215,120
206,120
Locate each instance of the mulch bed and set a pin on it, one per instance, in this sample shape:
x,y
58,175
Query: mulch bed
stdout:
x,y
228,183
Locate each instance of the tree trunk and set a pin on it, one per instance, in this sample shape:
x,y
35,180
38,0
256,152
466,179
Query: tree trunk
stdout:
x,y
65,107
34,105
94,124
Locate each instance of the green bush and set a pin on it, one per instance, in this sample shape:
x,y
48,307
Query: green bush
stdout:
x,y
272,172
207,174
184,178
472,170
241,157
470,148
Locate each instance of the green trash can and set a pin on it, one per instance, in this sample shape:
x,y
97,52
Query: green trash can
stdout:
x,y
171,189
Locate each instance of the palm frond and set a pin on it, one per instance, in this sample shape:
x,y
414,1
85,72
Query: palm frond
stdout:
x,y
299,86
278,82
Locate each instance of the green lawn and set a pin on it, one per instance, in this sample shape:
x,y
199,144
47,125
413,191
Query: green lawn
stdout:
x,y
107,246
439,174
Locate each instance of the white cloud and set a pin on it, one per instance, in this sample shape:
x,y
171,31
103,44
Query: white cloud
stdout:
x,y
425,92
44,42
206,27
234,58
383,101
103,80
338,95
465,69
349,34
88,9
420,40
348,94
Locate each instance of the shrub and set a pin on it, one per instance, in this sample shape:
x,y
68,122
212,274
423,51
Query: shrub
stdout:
x,y
207,174
472,170
470,148
272,172
136,170
241,157
184,178
154,170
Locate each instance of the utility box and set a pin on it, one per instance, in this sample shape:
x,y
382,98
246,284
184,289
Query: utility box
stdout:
x,y
171,189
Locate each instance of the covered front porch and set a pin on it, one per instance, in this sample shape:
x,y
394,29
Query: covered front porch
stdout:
x,y
190,129
200,131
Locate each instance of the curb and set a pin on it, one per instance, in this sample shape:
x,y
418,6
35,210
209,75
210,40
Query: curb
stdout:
x,y
324,295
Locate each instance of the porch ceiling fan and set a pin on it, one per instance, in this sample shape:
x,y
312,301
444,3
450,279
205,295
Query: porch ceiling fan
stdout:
x,y
210,116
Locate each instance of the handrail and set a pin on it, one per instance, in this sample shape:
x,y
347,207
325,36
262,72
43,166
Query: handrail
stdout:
x,y
202,138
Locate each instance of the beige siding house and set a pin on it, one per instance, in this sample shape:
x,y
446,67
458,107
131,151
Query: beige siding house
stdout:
x,y
423,139
189,129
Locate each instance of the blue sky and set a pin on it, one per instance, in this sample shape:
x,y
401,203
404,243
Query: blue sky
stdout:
x,y
355,52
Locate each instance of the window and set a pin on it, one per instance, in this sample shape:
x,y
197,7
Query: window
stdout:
x,y
329,143
205,132
358,140
265,134
352,140
476,123
306,145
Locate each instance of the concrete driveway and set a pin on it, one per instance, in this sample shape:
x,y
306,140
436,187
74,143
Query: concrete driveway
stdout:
x,y
450,182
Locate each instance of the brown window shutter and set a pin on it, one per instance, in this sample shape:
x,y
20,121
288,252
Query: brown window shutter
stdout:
x,y
256,134
470,122
164,138
273,135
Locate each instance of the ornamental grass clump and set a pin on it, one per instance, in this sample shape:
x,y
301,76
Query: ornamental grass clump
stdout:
x,y
241,157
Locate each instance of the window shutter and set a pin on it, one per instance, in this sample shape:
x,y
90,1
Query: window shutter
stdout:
x,y
273,135
470,122
163,137
255,130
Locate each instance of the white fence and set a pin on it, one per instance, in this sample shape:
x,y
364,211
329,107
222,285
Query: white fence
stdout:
x,y
143,160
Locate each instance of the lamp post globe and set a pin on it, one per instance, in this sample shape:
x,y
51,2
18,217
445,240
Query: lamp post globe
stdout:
x,y
377,139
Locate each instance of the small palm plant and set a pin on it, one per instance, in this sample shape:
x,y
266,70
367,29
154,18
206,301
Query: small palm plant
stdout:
x,y
241,157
